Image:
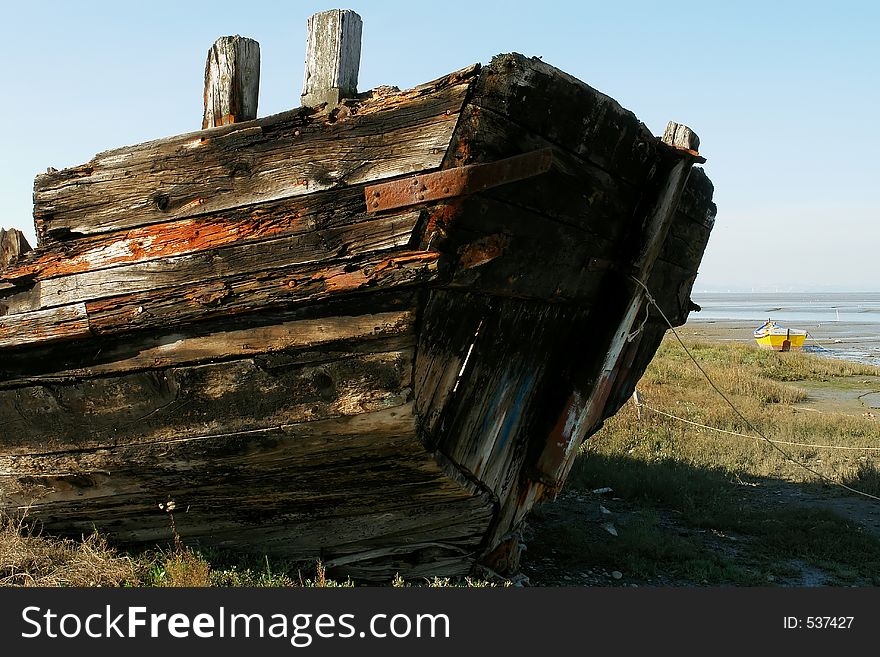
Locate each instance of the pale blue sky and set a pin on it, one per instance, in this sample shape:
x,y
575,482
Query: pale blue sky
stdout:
x,y
784,96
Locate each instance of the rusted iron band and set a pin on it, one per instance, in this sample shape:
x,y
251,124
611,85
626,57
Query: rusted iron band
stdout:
x,y
459,181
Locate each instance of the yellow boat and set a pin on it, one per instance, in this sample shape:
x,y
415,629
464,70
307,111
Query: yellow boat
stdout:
x,y
773,336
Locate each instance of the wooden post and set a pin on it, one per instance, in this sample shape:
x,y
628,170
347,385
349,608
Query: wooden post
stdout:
x,y
232,81
12,245
637,402
333,57
680,136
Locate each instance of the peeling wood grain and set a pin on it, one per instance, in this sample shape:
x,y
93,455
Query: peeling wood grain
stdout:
x,y
250,259
333,57
283,287
359,333
319,211
232,81
278,157
41,326
189,401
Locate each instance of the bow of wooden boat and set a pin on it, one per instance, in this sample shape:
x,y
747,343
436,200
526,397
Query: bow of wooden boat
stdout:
x,y
373,332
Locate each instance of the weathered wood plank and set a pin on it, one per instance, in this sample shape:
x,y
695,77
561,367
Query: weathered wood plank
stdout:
x,y
489,238
248,259
319,211
176,349
450,325
576,192
333,57
296,153
580,119
43,362
297,481
190,401
510,379
41,326
680,136
271,289
232,81
20,299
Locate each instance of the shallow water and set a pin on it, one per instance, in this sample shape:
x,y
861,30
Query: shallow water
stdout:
x,y
793,308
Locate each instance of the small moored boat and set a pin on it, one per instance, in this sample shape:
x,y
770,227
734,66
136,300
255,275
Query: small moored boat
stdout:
x,y
771,335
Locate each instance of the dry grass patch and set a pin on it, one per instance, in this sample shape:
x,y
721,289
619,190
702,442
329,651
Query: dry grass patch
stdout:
x,y
763,386
29,559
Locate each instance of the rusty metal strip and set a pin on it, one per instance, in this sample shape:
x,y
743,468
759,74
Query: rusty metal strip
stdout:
x,y
459,181
681,150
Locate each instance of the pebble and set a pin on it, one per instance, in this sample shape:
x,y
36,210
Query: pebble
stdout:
x,y
616,574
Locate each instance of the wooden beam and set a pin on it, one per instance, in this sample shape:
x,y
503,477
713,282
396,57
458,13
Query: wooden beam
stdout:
x,y
586,405
246,293
680,136
246,259
306,339
42,326
232,81
290,154
175,403
333,56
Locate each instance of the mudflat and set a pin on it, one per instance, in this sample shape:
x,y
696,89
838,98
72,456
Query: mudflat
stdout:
x,y
858,341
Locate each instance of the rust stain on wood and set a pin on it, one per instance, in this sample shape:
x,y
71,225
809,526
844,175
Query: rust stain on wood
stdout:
x,y
175,238
458,181
211,294
482,250
41,326
339,279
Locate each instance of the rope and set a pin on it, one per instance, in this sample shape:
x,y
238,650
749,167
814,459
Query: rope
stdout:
x,y
632,336
736,410
743,435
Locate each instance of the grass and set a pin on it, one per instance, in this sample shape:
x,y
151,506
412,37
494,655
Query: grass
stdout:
x,y
29,559
703,483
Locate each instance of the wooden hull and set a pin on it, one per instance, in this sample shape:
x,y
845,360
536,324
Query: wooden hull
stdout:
x,y
389,391
782,342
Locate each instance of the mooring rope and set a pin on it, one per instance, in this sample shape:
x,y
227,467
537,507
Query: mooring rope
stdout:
x,y
737,411
745,435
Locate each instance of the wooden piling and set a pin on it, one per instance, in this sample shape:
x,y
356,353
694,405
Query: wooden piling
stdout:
x,y
232,81
680,136
333,57
12,245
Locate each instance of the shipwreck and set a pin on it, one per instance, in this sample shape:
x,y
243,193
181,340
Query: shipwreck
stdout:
x,y
373,330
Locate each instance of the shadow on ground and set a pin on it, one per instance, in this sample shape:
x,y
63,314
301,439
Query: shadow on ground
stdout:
x,y
627,522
